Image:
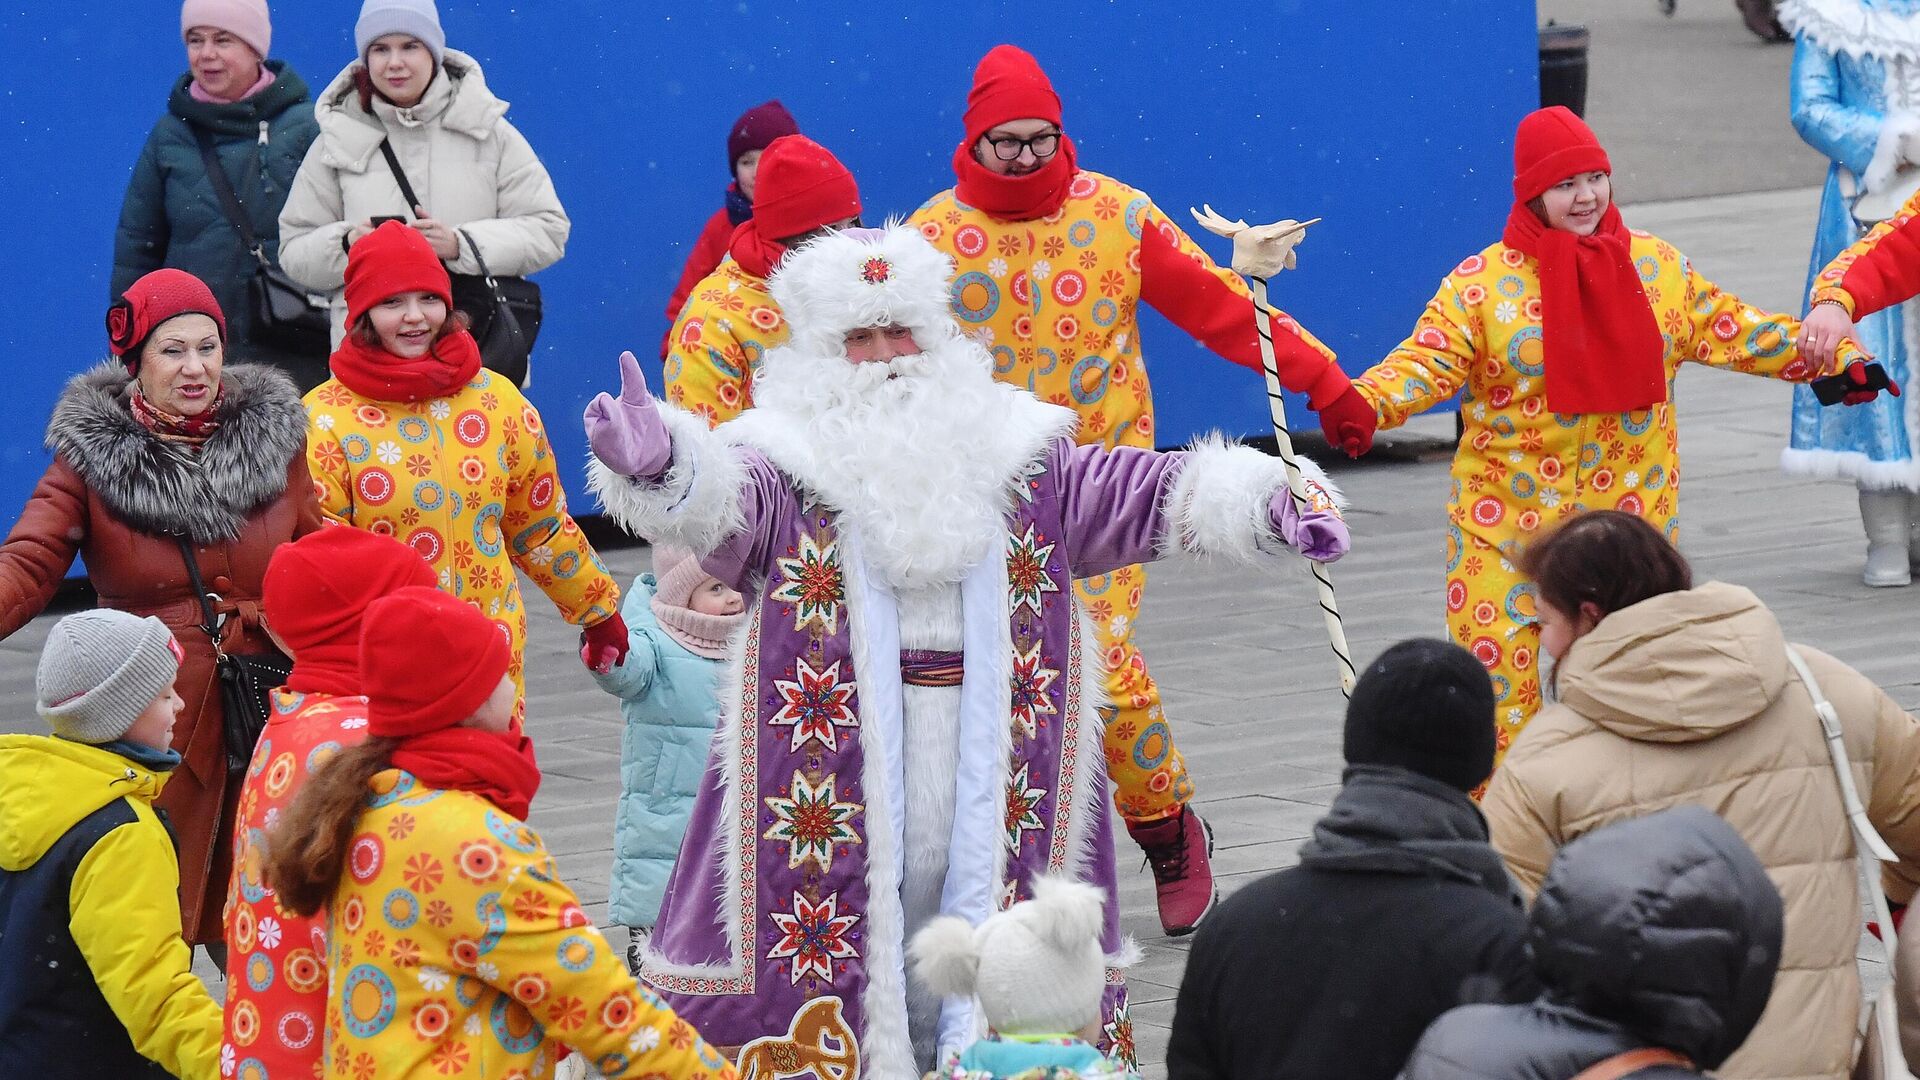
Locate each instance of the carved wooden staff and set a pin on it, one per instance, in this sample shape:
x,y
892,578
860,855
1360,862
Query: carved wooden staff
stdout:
x,y
1259,252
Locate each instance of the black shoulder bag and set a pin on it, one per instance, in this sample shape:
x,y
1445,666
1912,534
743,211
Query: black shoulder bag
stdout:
x,y
246,679
503,313
285,315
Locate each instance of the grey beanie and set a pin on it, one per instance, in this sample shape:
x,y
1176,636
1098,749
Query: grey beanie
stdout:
x,y
100,670
415,18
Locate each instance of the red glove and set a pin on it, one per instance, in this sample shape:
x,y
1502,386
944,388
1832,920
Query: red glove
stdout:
x,y
1857,373
603,646
1349,422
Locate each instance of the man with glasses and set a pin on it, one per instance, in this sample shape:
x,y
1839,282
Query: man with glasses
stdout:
x,y
1052,263
731,320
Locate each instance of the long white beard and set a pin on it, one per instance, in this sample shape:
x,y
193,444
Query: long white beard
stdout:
x,y
919,454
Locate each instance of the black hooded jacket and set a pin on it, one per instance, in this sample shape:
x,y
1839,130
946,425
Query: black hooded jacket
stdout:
x,y
1659,931
1398,911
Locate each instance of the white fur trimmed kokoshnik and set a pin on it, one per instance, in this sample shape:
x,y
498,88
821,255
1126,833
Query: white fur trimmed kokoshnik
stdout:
x,y
1846,26
864,277
158,487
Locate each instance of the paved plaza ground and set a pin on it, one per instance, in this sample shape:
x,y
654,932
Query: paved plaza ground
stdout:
x,y
1249,687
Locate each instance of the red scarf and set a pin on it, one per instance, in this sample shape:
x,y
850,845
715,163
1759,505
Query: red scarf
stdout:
x,y
1015,198
189,431
1600,342
756,254
374,373
327,669
497,766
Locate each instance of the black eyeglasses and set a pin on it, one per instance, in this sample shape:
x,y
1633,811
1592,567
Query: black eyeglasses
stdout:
x,y
1043,145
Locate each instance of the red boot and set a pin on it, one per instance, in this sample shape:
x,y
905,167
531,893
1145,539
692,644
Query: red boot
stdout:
x,y
1178,848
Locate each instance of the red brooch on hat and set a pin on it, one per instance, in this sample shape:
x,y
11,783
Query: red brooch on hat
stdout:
x,y
876,270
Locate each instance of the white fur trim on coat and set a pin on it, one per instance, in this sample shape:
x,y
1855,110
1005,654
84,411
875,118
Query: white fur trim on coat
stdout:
x,y
696,506
851,279
1217,505
1886,150
1845,26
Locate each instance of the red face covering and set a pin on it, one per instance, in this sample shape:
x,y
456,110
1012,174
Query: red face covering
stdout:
x,y
1015,198
498,766
1600,342
373,372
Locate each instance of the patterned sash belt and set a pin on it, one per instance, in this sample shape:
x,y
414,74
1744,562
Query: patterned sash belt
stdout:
x,y
930,667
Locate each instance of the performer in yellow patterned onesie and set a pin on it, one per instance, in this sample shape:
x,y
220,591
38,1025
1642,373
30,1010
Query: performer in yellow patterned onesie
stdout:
x,y
730,320
1566,382
1052,263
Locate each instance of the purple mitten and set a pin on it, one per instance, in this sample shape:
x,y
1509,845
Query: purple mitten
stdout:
x,y
1320,535
628,435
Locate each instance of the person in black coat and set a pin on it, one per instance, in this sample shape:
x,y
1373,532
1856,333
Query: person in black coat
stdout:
x,y
1398,911
1656,933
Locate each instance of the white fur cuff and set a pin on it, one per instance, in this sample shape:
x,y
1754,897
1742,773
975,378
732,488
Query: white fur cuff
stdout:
x,y
696,506
1217,505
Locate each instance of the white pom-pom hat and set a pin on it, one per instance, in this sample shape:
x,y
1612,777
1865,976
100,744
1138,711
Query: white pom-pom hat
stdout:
x,y
1037,967
855,278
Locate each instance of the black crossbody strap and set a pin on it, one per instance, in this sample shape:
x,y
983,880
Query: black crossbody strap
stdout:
x,y
223,189
400,176
209,622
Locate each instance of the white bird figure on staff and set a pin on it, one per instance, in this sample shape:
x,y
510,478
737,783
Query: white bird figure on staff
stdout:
x,y
1259,252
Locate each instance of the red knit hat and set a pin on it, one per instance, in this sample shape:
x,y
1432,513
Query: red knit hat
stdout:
x,y
315,594
468,656
392,259
152,300
1008,85
1551,145
758,127
801,187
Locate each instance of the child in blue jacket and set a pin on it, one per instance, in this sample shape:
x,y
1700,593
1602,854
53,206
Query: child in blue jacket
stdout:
x,y
679,619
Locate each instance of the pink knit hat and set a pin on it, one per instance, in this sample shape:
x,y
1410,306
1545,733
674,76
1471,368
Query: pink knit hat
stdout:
x,y
244,19
679,574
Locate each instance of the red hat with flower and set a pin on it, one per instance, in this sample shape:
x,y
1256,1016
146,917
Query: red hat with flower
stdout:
x,y
152,300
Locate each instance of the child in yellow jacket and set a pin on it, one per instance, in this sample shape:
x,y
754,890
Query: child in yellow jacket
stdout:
x,y
412,439
95,979
453,948
1563,340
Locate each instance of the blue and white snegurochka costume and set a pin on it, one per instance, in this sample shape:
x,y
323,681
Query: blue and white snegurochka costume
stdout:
x,y
1856,91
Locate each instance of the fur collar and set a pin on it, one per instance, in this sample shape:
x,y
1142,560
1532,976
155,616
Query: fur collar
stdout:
x,y
157,487
1886,31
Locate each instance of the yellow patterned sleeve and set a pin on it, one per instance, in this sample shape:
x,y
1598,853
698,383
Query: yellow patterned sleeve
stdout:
x,y
706,368
1430,366
555,964
1732,334
544,541
327,464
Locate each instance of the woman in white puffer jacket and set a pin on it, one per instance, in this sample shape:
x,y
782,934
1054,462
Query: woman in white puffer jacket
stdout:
x,y
469,168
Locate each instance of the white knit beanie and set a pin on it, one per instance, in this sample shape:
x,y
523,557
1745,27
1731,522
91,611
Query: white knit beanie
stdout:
x,y
414,18
100,670
245,19
1036,967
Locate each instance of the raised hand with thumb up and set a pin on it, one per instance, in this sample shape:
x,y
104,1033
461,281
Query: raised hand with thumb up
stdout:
x,y
628,434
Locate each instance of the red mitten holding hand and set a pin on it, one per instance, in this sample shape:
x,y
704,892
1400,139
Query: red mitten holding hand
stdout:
x,y
1349,422
603,646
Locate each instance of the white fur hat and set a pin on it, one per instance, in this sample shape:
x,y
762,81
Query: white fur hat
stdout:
x,y
852,278
1036,967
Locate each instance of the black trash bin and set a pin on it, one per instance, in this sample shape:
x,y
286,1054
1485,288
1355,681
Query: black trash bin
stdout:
x,y
1563,67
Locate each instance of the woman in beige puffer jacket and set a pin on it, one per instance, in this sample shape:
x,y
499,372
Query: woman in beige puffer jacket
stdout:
x,y
1671,694
470,168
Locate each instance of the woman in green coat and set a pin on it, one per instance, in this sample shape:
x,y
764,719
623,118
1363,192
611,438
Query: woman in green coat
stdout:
x,y
261,122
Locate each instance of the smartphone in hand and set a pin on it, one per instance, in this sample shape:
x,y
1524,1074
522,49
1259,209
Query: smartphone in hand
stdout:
x,y
382,219
1833,389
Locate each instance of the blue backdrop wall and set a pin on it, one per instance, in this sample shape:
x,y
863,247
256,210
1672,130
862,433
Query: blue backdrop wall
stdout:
x,y
1393,120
